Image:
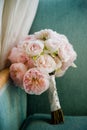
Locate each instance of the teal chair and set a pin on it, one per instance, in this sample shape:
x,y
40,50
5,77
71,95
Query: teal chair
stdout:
x,y
68,17
19,111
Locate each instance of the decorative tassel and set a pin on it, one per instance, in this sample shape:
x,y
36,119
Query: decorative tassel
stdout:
x,y
56,111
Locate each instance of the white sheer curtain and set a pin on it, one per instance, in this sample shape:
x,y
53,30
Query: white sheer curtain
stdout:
x,y
16,17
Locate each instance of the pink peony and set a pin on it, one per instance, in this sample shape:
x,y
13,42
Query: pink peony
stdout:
x,y
29,38
46,63
18,55
22,46
25,41
45,34
52,45
30,63
67,55
35,81
58,62
35,48
17,71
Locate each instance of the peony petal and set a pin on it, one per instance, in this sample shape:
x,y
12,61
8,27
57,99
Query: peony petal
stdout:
x,y
35,81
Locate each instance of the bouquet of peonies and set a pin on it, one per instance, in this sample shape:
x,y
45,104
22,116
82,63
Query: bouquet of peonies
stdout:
x,y
36,60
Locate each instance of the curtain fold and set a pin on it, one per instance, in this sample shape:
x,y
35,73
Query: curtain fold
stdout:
x,y
1,10
16,19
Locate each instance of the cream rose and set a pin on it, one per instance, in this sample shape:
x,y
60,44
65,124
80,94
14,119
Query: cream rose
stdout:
x,y
46,63
35,48
52,45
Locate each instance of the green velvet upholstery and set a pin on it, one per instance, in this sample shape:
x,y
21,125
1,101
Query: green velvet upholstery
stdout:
x,y
12,107
42,122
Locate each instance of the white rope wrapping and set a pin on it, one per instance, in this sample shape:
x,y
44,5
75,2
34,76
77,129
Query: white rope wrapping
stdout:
x,y
53,95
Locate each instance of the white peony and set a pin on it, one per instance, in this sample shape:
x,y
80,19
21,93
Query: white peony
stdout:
x,y
52,45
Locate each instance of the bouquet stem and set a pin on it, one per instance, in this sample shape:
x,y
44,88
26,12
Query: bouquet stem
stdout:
x,y
57,117
56,111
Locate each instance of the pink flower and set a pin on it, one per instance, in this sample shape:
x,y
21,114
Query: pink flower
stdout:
x,y
35,81
35,48
29,38
45,34
67,55
17,71
30,63
18,55
22,46
25,41
46,63
58,62
52,45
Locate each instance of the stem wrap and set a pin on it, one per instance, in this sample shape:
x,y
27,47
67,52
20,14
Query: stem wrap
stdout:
x,y
53,95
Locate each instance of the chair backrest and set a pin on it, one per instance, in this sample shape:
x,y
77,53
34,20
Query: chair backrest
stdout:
x,y
68,17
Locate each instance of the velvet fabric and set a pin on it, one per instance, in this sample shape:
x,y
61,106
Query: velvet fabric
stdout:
x,y
12,107
42,122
